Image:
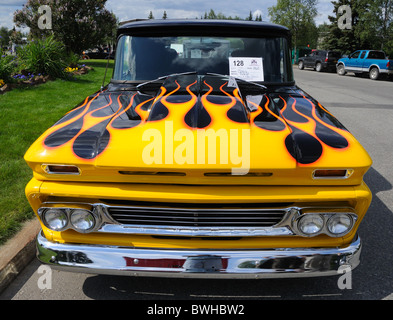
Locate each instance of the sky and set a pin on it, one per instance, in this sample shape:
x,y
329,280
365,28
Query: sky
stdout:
x,y
175,9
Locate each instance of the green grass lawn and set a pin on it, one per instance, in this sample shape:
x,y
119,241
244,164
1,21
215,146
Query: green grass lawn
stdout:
x,y
25,114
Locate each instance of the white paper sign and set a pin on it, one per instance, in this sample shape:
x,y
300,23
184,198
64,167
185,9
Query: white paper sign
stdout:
x,y
249,69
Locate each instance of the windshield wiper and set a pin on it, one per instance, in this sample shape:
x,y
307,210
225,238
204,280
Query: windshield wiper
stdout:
x,y
141,86
242,82
253,91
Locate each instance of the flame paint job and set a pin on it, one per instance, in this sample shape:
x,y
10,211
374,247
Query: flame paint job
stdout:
x,y
288,129
291,135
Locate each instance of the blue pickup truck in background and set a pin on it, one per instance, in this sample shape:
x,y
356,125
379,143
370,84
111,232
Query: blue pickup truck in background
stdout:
x,y
373,62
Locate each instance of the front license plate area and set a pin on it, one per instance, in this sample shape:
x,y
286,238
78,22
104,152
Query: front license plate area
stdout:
x,y
203,264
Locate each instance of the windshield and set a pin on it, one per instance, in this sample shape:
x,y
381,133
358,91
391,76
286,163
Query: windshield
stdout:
x,y
251,59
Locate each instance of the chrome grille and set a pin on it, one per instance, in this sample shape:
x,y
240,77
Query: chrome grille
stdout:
x,y
196,217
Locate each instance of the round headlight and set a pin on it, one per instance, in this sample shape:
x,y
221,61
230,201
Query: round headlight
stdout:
x,y
310,224
339,224
55,219
82,220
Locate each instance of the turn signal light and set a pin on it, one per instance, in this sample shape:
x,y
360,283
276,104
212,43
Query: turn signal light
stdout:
x,y
332,173
61,169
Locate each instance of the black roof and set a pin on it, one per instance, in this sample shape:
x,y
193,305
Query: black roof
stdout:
x,y
202,26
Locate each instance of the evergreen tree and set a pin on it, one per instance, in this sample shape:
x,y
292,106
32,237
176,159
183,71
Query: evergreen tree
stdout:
x,y
164,16
376,25
220,15
348,40
212,15
150,15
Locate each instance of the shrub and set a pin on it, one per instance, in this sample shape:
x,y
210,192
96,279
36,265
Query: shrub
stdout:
x,y
46,56
7,66
73,59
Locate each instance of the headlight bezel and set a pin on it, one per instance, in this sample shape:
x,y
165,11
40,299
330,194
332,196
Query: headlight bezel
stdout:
x,y
327,218
67,212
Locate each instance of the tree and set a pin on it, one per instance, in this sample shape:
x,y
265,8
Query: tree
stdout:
x,y
213,15
16,36
298,16
371,28
376,25
323,32
150,15
348,40
164,16
5,36
79,24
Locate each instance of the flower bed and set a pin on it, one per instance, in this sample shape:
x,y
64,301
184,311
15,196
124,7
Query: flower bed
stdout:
x,y
25,78
37,62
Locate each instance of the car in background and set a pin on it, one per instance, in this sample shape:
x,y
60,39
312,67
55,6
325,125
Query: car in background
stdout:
x,y
98,53
320,60
373,62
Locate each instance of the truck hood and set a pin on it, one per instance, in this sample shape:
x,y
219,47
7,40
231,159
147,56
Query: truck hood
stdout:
x,y
199,129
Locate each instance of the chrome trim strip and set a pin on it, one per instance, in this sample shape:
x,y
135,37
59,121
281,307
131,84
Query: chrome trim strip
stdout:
x,y
197,231
233,264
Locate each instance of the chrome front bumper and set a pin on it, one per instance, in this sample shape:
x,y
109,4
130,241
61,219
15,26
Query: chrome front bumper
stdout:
x,y
232,264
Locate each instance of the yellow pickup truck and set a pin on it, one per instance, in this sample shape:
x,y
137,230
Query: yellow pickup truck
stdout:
x,y
200,158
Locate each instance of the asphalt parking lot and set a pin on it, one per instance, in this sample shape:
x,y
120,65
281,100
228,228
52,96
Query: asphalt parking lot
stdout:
x,y
365,108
